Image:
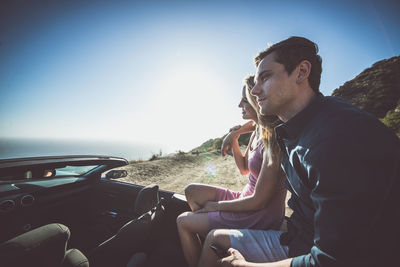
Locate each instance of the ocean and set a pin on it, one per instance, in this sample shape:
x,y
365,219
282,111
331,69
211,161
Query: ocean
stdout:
x,y
19,148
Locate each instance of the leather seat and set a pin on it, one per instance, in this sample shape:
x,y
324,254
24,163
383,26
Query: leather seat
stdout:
x,y
44,246
136,235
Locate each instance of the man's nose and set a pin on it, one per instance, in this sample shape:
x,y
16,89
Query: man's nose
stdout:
x,y
255,90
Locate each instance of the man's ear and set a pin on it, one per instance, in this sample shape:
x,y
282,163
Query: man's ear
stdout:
x,y
304,69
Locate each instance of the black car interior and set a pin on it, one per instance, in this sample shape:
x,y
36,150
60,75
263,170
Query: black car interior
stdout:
x,y
44,246
110,222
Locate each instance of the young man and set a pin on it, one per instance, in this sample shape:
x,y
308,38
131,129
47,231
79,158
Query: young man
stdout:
x,y
342,168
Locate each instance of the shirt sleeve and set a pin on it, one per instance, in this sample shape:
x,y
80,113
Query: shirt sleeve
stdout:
x,y
351,175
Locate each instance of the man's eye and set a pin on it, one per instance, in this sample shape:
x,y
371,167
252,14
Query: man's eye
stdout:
x,y
264,78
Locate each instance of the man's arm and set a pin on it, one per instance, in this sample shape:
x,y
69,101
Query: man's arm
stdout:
x,y
352,175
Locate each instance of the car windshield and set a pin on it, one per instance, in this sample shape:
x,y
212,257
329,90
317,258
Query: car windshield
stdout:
x,y
73,170
46,172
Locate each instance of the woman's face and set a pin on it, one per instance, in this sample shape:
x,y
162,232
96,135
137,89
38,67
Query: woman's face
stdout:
x,y
248,112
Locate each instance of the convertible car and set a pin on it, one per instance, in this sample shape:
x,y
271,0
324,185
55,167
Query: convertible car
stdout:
x,y
76,204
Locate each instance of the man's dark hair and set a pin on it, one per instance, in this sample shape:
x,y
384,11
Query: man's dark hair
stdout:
x,y
291,52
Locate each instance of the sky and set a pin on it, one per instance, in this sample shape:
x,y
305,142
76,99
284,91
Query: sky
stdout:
x,y
168,73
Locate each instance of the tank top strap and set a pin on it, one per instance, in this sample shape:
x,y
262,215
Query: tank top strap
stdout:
x,y
259,144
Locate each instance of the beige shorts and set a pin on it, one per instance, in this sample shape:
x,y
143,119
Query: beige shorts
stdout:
x,y
258,245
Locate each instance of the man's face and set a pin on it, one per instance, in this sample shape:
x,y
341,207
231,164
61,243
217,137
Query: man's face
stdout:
x,y
274,88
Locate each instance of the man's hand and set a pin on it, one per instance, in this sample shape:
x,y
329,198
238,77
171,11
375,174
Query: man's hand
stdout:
x,y
235,259
208,207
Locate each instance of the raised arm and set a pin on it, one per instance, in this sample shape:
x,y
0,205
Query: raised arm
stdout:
x,y
231,142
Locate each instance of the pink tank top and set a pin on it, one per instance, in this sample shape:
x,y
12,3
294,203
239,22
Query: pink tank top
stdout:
x,y
269,217
255,159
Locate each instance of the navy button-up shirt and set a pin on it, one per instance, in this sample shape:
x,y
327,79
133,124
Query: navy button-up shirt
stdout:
x,y
342,168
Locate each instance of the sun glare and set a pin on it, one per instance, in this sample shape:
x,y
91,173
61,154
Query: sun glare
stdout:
x,y
185,101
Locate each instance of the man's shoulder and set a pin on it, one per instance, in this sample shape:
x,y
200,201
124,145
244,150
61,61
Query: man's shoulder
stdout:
x,y
336,112
332,106
339,119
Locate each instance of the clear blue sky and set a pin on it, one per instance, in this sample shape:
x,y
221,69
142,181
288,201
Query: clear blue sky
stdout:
x,y
167,72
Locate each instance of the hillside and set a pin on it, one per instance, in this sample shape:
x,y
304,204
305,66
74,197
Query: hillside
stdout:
x,y
176,171
377,91
215,144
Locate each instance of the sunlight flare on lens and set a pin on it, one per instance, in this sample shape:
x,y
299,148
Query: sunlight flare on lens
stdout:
x,y
211,171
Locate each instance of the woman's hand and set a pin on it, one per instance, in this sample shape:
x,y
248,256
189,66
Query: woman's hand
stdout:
x,y
231,137
226,146
235,128
234,134
235,259
208,207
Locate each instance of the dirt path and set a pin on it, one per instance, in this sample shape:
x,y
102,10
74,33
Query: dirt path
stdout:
x,y
174,173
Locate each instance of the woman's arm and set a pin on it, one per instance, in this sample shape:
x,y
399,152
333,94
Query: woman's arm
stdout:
x,y
268,180
237,130
231,142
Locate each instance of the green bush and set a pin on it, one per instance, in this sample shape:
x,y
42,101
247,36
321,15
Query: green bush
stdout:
x,y
392,120
244,139
217,143
155,156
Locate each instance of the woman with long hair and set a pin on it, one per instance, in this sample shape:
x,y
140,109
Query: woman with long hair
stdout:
x,y
261,203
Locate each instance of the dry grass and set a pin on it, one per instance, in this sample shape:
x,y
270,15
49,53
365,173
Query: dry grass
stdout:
x,y
175,172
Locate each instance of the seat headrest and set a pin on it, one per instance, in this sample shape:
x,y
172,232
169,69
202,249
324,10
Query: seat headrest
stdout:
x,y
146,199
43,246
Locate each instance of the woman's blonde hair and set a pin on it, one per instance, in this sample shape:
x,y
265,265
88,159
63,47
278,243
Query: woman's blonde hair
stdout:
x,y
267,124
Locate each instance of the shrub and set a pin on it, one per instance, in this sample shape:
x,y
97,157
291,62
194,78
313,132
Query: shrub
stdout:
x,y
155,156
244,139
392,120
217,143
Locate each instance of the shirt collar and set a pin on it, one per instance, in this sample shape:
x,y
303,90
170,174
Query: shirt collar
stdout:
x,y
293,127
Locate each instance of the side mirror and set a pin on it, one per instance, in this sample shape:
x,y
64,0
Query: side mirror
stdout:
x,y
116,174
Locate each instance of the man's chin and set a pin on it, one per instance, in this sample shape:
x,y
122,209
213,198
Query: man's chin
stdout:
x,y
265,112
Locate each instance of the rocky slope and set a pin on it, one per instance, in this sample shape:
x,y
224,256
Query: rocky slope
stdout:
x,y
377,91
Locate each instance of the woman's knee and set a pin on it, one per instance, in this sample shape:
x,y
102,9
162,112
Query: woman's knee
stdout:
x,y
190,190
193,223
182,219
200,192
